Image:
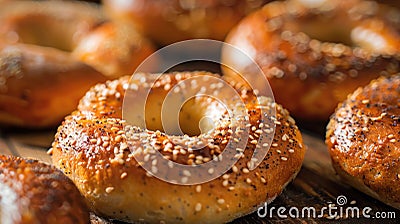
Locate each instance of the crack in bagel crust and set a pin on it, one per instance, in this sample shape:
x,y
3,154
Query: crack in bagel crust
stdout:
x,y
94,149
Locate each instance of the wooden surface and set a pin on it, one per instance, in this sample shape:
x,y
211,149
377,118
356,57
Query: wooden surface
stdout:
x,y
316,185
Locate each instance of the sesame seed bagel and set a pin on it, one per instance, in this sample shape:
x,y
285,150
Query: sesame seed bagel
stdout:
x,y
363,140
169,21
315,53
115,165
35,192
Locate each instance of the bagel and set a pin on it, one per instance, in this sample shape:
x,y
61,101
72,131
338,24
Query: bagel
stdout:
x,y
314,55
363,139
78,28
113,49
35,192
166,22
112,162
52,52
40,86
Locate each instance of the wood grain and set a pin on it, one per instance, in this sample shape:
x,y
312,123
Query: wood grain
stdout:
x,y
316,185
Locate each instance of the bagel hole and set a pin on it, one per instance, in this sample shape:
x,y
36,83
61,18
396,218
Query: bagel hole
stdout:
x,y
197,65
196,116
47,33
324,30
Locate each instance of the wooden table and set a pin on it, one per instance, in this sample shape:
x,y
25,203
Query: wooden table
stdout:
x,y
316,185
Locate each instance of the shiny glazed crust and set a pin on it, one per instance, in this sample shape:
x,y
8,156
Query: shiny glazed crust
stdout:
x,y
113,49
47,49
76,27
35,192
170,21
308,53
40,86
92,148
363,139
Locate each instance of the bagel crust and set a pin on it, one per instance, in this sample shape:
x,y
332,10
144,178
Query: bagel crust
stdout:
x,y
52,52
315,55
363,139
169,21
95,151
35,192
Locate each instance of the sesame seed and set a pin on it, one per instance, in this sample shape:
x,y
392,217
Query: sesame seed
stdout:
x,y
109,189
211,170
245,170
93,141
187,173
353,202
235,169
393,140
184,180
118,138
365,101
123,175
231,188
225,176
275,145
123,146
291,150
198,188
248,180
221,201
225,183
390,136
263,180
284,158
197,208
254,142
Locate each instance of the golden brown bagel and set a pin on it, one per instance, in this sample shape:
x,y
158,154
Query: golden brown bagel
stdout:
x,y
40,86
315,55
363,139
79,28
113,49
94,150
166,22
35,192
43,47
